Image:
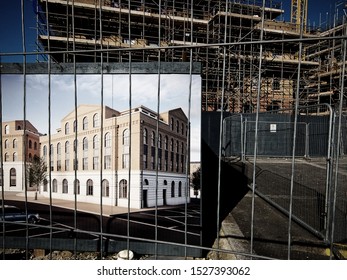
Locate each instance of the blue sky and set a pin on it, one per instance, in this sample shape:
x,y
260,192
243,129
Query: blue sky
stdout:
x,y
317,10
11,29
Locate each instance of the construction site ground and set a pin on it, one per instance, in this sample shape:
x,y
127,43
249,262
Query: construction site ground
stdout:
x,y
269,228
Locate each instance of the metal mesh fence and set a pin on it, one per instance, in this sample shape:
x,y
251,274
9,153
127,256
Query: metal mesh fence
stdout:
x,y
310,176
271,101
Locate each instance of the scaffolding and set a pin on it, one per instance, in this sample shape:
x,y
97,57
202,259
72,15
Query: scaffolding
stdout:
x,y
214,33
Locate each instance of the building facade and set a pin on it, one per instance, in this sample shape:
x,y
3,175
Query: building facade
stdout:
x,y
20,144
113,157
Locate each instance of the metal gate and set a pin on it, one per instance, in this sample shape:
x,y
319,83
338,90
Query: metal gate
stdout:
x,y
300,181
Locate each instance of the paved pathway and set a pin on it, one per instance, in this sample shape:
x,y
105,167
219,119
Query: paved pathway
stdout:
x,y
81,206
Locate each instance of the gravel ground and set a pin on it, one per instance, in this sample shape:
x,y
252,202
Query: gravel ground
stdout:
x,y
18,254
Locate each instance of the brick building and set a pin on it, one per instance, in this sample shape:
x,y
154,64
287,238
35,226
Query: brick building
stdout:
x,y
20,143
109,157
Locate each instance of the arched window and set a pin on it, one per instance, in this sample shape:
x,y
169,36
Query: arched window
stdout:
x,y
6,144
67,147
7,157
55,186
177,126
85,144
123,189
58,149
95,142
74,126
30,144
159,141
67,128
165,183
13,177
145,136
173,189
65,186
126,137
153,139
180,189
77,186
51,152
107,140
172,123
44,153
96,122
45,185
35,145
15,156
15,143
166,143
30,157
145,182
75,145
7,129
90,189
85,123
171,145
105,188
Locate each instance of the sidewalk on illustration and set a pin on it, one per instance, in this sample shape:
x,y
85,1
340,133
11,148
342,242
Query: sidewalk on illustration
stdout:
x,y
107,210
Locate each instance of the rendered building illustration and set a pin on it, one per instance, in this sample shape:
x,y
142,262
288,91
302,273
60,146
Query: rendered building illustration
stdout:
x,y
117,161
20,142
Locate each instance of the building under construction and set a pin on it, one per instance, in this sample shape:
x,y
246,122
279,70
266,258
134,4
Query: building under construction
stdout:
x,y
244,48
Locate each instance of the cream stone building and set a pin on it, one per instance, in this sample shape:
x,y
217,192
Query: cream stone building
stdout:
x,y
20,143
107,159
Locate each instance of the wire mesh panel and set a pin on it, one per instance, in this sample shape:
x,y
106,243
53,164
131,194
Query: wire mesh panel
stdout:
x,y
312,177
276,135
119,99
